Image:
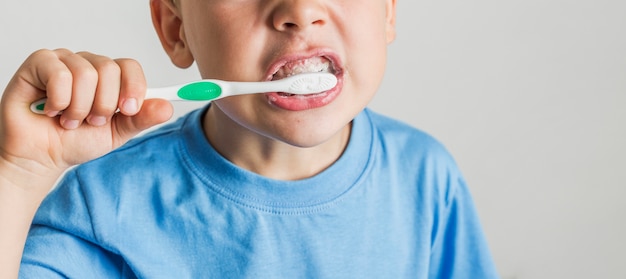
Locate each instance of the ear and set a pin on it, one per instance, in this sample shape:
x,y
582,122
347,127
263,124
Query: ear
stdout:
x,y
167,21
391,20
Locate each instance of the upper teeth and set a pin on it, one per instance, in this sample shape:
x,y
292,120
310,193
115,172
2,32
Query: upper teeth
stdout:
x,y
312,65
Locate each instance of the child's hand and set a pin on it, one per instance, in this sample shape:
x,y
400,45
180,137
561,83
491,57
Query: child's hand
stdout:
x,y
88,89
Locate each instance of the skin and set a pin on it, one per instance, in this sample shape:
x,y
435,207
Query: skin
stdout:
x,y
228,39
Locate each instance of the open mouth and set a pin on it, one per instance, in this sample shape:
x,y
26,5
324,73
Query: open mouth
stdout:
x,y
317,64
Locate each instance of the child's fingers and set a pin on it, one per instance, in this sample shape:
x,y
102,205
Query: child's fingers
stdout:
x,y
107,90
84,83
132,88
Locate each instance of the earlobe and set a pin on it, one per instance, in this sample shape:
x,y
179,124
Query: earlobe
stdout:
x,y
168,24
391,20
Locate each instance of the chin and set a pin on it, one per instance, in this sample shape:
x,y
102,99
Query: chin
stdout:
x,y
309,137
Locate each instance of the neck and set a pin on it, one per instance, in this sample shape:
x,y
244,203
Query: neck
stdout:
x,y
270,157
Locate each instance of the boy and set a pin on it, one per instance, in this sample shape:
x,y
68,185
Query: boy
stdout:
x,y
253,186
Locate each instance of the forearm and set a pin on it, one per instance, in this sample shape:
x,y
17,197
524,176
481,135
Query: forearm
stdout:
x,y
21,194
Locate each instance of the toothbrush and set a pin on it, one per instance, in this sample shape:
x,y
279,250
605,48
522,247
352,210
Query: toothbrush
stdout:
x,y
213,89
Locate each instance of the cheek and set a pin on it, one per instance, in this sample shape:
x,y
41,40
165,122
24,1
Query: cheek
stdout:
x,y
219,53
222,59
366,69
365,65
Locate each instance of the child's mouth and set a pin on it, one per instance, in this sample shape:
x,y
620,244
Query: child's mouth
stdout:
x,y
295,102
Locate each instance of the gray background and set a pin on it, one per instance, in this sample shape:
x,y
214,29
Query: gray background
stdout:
x,y
528,95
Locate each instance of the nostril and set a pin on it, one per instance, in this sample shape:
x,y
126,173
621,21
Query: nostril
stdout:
x,y
318,22
292,25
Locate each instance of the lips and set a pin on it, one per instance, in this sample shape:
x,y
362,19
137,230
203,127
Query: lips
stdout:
x,y
298,65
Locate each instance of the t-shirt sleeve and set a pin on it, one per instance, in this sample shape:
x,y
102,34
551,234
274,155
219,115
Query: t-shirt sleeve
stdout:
x,y
50,253
459,248
61,242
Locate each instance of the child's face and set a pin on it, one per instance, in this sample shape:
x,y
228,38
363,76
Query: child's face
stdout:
x,y
255,40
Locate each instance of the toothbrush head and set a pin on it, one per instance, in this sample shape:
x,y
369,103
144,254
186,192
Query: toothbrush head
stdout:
x,y
312,83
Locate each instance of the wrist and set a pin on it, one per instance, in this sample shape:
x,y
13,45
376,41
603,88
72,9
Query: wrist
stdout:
x,y
27,178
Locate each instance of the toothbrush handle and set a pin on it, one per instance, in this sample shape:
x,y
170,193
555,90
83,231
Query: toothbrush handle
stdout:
x,y
238,87
38,106
168,93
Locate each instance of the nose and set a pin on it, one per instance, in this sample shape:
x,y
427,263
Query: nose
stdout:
x,y
297,15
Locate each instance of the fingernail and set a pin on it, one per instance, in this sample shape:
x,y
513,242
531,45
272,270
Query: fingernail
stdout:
x,y
129,106
97,120
70,124
52,113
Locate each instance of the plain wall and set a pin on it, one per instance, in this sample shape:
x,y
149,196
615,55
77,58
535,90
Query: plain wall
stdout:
x,y
529,96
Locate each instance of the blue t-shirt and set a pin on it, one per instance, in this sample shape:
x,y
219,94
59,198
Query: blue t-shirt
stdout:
x,y
167,205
